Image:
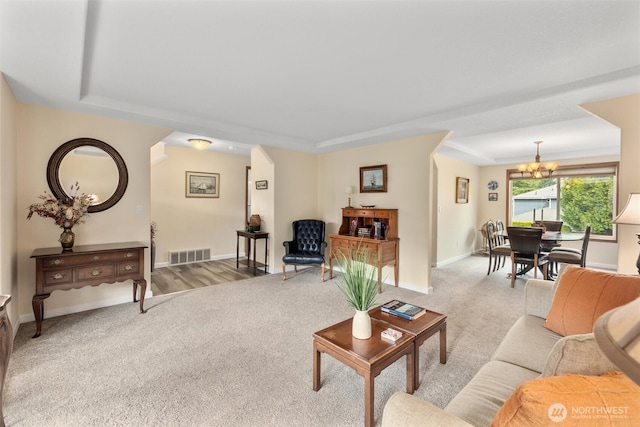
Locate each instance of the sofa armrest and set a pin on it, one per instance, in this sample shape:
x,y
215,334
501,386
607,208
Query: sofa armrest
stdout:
x,y
538,295
405,410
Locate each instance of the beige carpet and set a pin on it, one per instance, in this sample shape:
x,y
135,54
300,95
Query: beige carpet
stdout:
x,y
240,354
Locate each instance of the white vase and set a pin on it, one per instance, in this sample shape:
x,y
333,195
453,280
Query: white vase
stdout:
x,y
361,328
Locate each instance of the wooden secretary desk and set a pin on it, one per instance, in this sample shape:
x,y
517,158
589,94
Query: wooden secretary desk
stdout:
x,y
373,230
89,265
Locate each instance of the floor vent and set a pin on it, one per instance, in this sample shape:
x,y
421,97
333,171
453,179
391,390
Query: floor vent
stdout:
x,y
186,257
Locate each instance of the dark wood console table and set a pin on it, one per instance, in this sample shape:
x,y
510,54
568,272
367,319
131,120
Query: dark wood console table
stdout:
x,y
89,265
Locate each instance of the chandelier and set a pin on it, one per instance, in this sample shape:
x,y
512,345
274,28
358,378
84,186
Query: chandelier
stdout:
x,y
536,169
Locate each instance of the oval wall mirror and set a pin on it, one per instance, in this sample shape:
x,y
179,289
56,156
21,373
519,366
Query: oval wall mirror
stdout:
x,y
94,165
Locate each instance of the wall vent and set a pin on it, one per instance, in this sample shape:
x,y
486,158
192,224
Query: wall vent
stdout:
x,y
189,256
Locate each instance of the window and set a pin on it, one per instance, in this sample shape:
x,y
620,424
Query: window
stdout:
x,y
577,195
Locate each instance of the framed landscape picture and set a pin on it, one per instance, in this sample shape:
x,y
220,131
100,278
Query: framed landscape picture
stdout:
x,y
373,179
462,190
202,184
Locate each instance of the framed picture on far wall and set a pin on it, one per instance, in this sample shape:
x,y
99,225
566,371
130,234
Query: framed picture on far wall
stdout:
x,y
202,184
493,197
373,179
462,190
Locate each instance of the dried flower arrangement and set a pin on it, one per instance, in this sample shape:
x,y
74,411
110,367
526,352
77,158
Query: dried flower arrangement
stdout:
x,y
65,215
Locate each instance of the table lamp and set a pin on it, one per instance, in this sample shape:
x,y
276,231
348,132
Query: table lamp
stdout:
x,y
617,333
630,215
347,191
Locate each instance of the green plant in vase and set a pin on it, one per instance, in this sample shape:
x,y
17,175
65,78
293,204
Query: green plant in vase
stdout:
x,y
359,285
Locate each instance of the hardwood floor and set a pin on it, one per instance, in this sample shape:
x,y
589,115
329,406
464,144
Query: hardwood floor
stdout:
x,y
184,277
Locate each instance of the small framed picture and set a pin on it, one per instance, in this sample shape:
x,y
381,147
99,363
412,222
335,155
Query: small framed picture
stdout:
x,y
373,179
493,197
202,184
261,185
462,190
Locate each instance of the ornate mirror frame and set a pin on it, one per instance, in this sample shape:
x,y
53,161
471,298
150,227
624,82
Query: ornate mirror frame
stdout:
x,y
53,171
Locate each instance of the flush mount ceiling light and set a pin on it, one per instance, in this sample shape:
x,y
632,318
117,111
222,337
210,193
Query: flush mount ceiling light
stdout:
x,y
199,144
536,169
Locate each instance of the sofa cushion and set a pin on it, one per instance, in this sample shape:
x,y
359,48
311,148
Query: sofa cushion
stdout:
x,y
573,400
527,344
479,401
582,295
577,354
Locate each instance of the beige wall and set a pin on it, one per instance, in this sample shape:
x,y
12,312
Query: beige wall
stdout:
x,y
456,222
8,168
197,223
300,185
409,166
624,112
291,194
40,130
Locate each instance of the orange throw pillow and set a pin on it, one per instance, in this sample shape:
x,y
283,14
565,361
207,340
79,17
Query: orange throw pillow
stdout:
x,y
583,295
572,400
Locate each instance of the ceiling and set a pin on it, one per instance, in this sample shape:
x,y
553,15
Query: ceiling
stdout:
x,y
321,76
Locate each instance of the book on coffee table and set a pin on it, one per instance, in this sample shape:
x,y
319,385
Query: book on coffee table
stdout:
x,y
403,309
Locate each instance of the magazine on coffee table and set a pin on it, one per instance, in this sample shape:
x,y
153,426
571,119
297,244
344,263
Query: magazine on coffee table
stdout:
x,y
403,309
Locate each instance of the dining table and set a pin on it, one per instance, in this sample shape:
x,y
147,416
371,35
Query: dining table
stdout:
x,y
547,237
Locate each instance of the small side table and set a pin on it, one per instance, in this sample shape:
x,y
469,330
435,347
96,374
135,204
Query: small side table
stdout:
x,y
252,236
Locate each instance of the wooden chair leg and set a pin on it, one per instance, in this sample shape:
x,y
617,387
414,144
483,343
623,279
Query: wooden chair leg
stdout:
x,y
513,269
322,271
284,272
489,269
535,266
295,268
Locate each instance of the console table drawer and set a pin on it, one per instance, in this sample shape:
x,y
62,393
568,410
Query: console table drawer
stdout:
x,y
59,276
104,271
130,267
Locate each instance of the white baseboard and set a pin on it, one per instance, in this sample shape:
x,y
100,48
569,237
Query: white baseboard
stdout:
x,y
452,260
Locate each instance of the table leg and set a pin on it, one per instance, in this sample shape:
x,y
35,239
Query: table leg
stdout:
x,y
266,245
369,394
255,247
143,290
443,344
316,367
416,367
38,311
237,251
412,369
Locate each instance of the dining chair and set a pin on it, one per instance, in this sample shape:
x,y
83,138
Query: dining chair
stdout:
x,y
498,250
563,254
525,251
554,227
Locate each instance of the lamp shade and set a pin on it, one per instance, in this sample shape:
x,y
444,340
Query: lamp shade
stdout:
x,y
347,190
617,333
631,212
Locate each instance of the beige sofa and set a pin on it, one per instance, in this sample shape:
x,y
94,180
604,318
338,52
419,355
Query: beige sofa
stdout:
x,y
528,351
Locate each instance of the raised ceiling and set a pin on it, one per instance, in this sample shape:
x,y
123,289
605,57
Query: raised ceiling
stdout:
x,y
320,76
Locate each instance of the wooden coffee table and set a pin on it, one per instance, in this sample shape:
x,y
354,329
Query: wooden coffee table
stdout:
x,y
367,357
420,329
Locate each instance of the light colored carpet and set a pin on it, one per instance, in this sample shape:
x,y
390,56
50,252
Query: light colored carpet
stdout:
x,y
240,354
